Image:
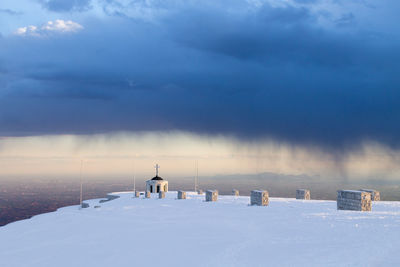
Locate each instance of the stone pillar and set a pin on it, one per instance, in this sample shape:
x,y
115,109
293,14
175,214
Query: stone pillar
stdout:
x,y
147,194
303,194
211,195
259,198
354,200
137,194
181,195
375,195
200,192
161,194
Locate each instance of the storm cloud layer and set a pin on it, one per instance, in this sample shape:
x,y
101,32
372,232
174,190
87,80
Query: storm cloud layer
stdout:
x,y
320,72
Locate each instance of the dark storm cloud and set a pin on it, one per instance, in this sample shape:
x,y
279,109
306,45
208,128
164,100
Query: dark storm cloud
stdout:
x,y
271,73
279,35
66,5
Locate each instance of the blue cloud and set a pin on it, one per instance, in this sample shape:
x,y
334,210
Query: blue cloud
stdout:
x,y
269,72
66,5
10,12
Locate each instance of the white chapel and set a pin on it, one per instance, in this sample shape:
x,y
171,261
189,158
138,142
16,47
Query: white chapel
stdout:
x,y
156,184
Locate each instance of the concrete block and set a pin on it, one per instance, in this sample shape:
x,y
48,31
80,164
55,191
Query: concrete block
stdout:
x,y
181,195
200,192
354,200
211,195
259,197
303,194
137,194
235,192
147,194
375,195
161,194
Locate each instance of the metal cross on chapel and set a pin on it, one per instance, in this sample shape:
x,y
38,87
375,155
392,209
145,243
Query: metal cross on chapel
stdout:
x,y
157,167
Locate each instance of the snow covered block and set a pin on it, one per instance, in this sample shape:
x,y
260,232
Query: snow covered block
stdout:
x,y
161,194
137,193
84,205
147,194
235,192
354,200
211,195
181,195
303,194
375,195
259,197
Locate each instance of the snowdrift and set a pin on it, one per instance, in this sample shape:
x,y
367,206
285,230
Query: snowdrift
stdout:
x,y
129,231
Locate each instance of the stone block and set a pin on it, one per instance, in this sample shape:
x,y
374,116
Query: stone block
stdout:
x,y
354,200
235,192
181,195
303,194
211,195
161,194
375,195
259,198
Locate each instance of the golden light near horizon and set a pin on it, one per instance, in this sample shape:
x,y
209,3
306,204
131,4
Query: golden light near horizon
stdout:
x,y
122,154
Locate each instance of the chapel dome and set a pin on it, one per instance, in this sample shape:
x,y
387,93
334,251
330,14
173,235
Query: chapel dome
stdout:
x,y
157,178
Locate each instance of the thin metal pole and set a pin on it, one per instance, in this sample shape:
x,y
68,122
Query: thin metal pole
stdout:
x,y
134,178
80,198
196,178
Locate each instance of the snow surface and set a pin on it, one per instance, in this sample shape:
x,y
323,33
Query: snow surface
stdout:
x,y
170,232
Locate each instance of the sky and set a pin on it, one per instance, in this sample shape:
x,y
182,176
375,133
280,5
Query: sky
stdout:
x,y
317,78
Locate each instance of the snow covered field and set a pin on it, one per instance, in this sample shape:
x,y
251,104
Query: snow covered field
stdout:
x,y
191,232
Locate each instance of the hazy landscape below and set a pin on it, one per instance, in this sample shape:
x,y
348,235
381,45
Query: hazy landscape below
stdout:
x,y
24,198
